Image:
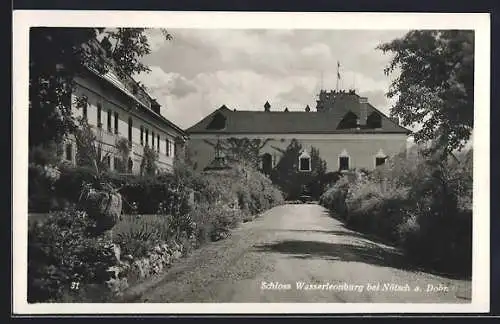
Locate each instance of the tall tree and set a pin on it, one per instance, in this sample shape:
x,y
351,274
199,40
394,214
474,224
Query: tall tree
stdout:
x,y
244,150
435,85
293,182
149,161
58,54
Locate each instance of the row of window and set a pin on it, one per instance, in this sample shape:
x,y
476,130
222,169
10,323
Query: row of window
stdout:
x,y
305,163
155,145
117,162
344,162
144,131
109,119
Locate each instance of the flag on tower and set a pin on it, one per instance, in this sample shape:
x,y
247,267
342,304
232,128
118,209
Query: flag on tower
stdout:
x,y
338,69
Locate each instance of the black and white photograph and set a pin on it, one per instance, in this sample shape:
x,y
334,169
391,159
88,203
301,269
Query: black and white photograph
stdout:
x,y
249,163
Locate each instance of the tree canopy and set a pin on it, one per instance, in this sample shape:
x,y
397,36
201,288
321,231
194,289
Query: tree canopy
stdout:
x,y
58,54
287,176
435,87
243,150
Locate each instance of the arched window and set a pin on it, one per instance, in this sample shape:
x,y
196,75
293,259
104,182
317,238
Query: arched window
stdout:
x,y
267,163
344,161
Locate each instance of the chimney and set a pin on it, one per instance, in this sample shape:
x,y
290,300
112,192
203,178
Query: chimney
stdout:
x,y
267,106
308,109
363,110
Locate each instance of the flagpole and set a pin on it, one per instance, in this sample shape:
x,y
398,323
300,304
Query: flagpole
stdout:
x,y
338,75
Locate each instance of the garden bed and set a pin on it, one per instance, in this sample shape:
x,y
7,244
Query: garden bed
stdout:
x,y
67,263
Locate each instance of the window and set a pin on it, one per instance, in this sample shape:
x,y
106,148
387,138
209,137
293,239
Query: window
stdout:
x,y
305,164
117,164
99,110
99,153
69,152
153,140
130,165
147,137
167,146
158,143
267,163
217,122
109,121
108,161
380,161
343,163
350,120
84,108
142,135
116,123
130,131
374,120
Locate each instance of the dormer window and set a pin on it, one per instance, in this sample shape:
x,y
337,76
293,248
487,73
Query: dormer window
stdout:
x,y
218,122
374,120
350,120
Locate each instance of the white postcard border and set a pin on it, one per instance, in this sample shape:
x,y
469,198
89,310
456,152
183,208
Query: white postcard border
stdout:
x,y
480,22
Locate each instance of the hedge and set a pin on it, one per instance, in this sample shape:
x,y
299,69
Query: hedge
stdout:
x,y
420,203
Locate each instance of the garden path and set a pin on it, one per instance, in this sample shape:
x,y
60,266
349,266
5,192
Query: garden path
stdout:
x,y
265,260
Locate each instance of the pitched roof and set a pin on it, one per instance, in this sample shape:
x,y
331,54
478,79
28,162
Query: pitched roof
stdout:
x,y
291,122
124,84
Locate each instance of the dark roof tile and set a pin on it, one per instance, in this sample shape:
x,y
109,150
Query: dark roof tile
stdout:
x,y
291,122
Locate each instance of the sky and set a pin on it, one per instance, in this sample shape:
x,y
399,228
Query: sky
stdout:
x,y
200,70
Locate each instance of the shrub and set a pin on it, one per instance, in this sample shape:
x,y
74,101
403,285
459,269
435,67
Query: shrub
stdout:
x,y
156,194
136,235
62,251
377,207
214,221
421,202
293,182
334,198
41,188
242,186
69,185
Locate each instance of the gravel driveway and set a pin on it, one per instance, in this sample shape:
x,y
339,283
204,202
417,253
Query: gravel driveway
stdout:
x,y
298,253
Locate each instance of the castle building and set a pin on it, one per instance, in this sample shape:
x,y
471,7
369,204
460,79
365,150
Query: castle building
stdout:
x,y
118,109
347,130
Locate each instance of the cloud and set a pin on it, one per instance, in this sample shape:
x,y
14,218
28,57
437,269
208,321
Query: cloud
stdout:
x,y
378,99
200,70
